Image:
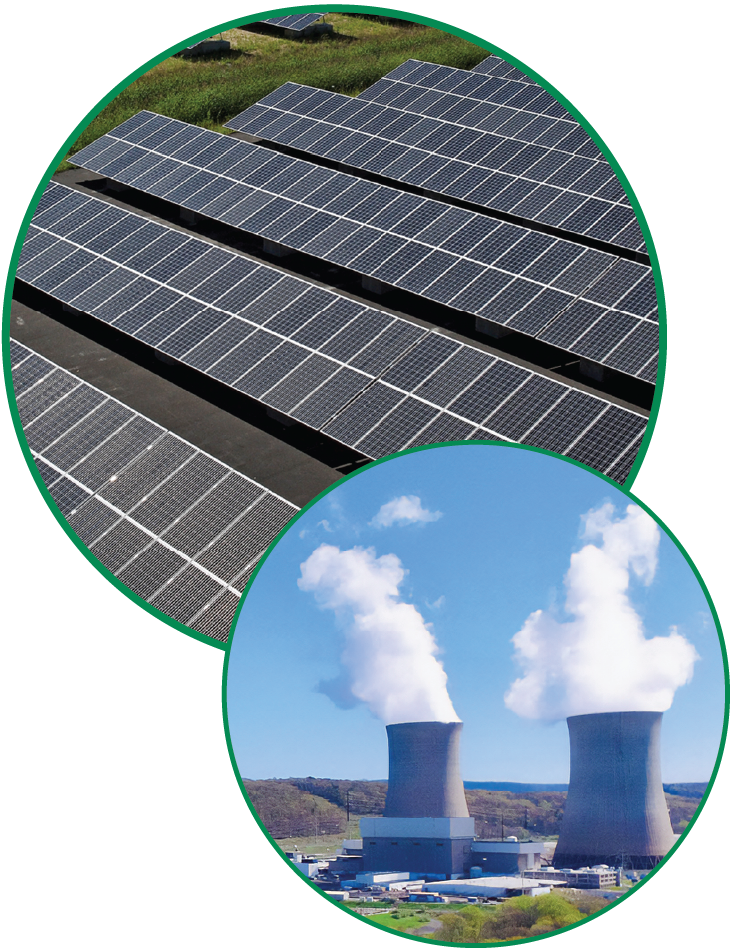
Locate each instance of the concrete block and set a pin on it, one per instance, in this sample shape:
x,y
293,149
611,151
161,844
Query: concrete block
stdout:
x,y
592,370
489,328
374,286
205,47
276,250
279,417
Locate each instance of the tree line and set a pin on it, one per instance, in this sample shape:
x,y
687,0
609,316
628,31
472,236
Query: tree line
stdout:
x,y
304,807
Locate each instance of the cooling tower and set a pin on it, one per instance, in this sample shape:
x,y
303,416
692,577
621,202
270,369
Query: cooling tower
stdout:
x,y
424,770
616,812
426,827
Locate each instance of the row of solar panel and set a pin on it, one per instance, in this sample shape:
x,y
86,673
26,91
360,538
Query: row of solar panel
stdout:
x,y
461,94
296,21
576,194
512,153
495,66
176,526
375,382
529,282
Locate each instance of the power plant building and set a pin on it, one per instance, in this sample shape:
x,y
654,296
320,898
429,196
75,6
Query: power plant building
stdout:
x,y
616,812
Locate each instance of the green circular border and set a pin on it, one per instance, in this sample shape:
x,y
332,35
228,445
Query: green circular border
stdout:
x,y
204,34
509,447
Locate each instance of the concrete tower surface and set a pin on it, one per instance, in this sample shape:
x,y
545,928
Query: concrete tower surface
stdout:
x,y
425,770
615,811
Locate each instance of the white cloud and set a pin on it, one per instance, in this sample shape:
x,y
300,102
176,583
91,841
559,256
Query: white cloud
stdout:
x,y
407,509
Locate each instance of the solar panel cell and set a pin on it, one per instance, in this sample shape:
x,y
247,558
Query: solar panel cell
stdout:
x,y
592,448
429,353
397,429
351,424
443,428
189,586
34,400
604,335
115,452
454,376
281,360
299,383
525,406
329,398
565,422
480,399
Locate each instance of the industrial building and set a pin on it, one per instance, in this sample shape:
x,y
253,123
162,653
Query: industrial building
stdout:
x,y
490,887
506,856
589,878
616,813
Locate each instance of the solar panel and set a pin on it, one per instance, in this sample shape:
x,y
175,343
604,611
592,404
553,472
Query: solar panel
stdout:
x,y
483,168
375,230
155,510
295,22
340,357
493,65
533,134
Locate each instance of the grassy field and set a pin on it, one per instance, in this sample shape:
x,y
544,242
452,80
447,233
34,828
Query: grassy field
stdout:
x,y
210,90
323,843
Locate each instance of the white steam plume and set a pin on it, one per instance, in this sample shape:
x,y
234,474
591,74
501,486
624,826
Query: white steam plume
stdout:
x,y
389,655
600,661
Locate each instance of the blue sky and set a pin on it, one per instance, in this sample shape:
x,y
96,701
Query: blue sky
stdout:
x,y
510,519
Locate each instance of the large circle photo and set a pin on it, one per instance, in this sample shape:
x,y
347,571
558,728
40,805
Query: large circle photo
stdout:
x,y
293,245
476,693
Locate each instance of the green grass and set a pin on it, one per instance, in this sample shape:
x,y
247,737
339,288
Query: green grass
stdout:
x,y
210,90
400,923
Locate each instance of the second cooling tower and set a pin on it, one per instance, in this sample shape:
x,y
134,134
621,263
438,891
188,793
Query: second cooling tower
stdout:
x,y
426,827
616,812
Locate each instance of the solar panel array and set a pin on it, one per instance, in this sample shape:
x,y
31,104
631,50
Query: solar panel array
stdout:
x,y
548,186
372,381
296,21
588,302
176,526
545,165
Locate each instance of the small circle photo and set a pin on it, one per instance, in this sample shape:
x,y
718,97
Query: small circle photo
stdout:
x,y
475,693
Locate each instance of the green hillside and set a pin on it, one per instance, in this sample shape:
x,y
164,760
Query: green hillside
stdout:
x,y
314,808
